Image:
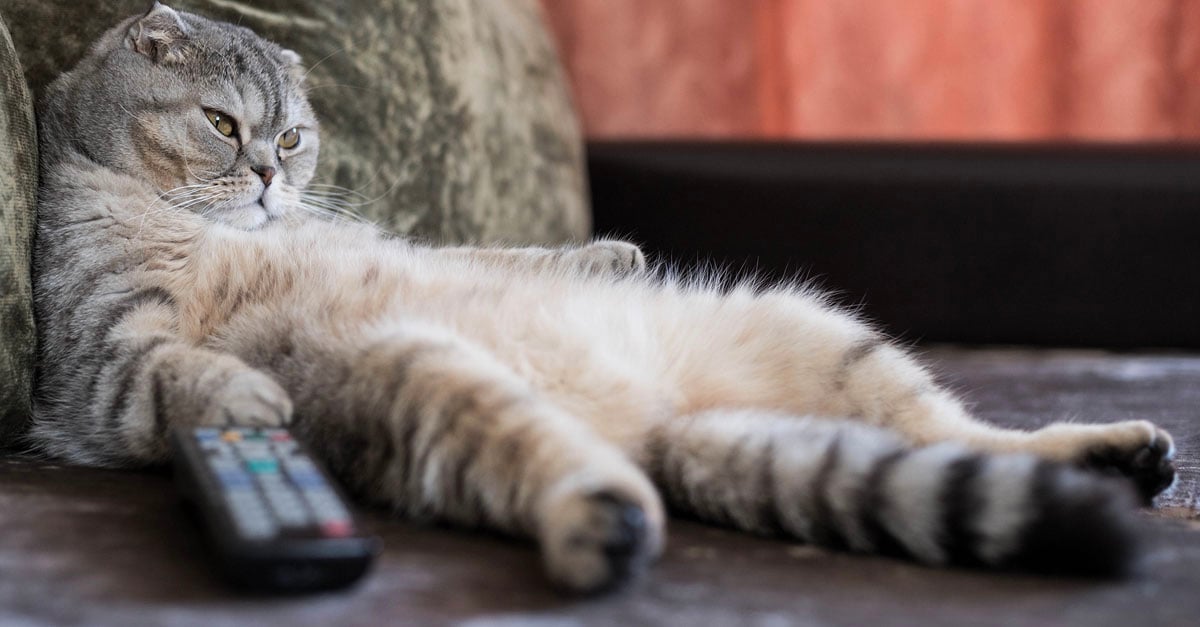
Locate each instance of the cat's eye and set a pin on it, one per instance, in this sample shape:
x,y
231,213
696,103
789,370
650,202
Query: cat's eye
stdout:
x,y
222,122
290,138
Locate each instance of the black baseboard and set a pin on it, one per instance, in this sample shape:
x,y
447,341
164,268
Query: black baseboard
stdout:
x,y
1052,245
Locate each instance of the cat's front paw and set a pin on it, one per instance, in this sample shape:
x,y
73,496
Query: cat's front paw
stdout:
x,y
1134,449
250,399
610,258
594,541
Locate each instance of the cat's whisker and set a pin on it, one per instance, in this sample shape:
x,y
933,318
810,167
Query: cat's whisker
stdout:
x,y
335,209
131,114
366,184
195,201
199,185
324,213
204,179
189,196
362,203
319,62
328,212
329,188
149,210
344,86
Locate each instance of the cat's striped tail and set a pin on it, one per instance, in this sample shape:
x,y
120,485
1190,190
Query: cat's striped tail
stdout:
x,y
844,485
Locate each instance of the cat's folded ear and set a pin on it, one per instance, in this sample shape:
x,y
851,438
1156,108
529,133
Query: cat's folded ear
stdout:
x,y
160,34
295,65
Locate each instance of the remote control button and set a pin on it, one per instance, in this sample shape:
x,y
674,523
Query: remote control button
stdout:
x,y
214,445
231,435
278,435
336,528
224,463
326,505
287,507
307,479
256,453
299,462
272,482
285,502
262,466
302,471
234,479
205,434
251,516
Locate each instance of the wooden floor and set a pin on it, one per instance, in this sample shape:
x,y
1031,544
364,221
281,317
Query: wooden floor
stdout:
x,y
112,548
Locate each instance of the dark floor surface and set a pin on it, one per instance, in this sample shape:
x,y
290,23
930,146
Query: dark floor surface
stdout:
x,y
104,547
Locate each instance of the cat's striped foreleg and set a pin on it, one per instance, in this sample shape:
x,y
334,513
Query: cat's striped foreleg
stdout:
x,y
425,422
137,379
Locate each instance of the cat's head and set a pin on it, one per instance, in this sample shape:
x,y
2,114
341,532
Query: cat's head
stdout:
x,y
209,113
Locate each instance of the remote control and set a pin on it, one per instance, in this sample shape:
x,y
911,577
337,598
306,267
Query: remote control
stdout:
x,y
273,519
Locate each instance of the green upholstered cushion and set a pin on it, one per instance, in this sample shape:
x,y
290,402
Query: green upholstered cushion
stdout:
x,y
18,190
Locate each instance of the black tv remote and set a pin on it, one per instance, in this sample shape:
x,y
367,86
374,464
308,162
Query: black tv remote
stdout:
x,y
274,520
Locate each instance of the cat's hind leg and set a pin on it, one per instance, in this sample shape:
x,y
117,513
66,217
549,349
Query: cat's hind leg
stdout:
x,y
790,351
885,385
422,420
845,485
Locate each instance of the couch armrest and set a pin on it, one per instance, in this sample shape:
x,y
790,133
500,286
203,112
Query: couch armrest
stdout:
x,y
18,190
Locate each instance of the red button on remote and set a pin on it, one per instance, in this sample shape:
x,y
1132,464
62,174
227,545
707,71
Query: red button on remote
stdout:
x,y
336,528
280,437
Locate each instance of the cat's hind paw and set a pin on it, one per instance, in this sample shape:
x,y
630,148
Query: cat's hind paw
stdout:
x,y
1136,450
1139,451
592,542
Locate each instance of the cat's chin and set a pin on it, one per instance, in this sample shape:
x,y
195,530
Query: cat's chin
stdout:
x,y
246,218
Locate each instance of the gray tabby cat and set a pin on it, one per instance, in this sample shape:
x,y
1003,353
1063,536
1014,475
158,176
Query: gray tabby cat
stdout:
x,y
181,279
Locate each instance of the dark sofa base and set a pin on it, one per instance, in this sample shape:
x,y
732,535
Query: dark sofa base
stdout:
x,y
1052,245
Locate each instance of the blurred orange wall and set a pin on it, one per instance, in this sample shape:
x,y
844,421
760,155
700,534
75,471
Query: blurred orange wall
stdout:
x,y
895,69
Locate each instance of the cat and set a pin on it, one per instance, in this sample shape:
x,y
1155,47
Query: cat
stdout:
x,y
565,394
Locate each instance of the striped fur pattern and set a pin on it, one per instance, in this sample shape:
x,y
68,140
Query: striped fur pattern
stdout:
x,y
548,393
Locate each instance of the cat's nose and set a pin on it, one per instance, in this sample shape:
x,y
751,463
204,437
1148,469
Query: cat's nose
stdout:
x,y
265,172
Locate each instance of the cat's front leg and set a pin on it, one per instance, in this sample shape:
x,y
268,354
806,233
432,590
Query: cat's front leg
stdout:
x,y
606,257
426,422
141,378
173,383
